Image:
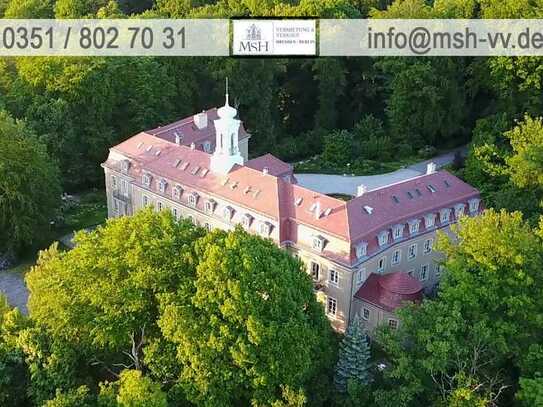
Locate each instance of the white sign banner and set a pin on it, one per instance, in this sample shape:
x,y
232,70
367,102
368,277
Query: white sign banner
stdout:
x,y
114,37
274,37
447,37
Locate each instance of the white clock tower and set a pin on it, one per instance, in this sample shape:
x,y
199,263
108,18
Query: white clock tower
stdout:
x,y
226,153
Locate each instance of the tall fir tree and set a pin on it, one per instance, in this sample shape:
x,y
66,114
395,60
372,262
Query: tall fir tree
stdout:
x,y
354,355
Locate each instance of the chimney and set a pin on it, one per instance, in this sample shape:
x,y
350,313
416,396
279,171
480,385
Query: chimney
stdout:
x,y
430,168
200,120
177,138
192,146
265,170
361,190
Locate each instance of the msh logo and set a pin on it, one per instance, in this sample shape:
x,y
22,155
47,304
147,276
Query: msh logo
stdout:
x,y
253,41
252,37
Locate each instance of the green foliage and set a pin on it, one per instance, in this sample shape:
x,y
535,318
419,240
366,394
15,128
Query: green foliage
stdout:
x,y
354,355
338,147
79,397
531,392
27,9
248,324
488,315
26,207
132,390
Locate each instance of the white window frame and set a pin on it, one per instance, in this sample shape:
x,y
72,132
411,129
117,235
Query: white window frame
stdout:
x,y
459,210
360,276
147,179
207,146
177,191
114,182
116,206
246,220
383,238
383,261
411,273
125,166
362,250
474,205
428,244
162,185
411,256
424,276
396,259
175,213
317,243
265,228
144,200
429,220
315,268
364,317
193,199
228,212
414,225
210,206
333,277
331,306
159,206
397,231
445,215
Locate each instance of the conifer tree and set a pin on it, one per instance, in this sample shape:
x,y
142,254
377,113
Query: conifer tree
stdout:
x,y
354,356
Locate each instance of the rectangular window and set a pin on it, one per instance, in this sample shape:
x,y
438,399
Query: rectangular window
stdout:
x,y
398,231
159,206
360,276
175,214
424,272
365,314
207,226
145,200
414,227
383,238
124,187
428,245
315,270
381,264
333,277
444,215
439,269
396,257
113,181
332,306
411,272
115,206
412,253
392,324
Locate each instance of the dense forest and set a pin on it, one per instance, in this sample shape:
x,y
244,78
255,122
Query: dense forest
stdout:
x,y
148,311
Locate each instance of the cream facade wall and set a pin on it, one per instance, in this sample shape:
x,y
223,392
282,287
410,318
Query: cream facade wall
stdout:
x,y
374,316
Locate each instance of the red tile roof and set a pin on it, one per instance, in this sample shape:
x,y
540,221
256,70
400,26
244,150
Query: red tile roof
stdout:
x,y
192,134
274,165
390,291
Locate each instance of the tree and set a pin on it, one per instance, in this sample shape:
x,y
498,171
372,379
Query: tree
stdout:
x,y
79,397
248,324
531,392
354,357
330,74
29,186
484,325
28,9
132,390
338,147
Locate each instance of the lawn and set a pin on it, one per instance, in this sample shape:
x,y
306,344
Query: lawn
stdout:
x,y
83,211
360,167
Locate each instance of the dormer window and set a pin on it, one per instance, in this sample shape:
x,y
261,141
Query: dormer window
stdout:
x,y
207,147
210,205
459,210
414,226
444,215
247,220
318,243
147,178
177,192
193,199
397,231
162,184
265,228
429,220
228,212
383,237
362,250
125,166
473,205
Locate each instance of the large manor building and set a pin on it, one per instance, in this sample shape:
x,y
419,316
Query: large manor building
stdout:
x,y
367,255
